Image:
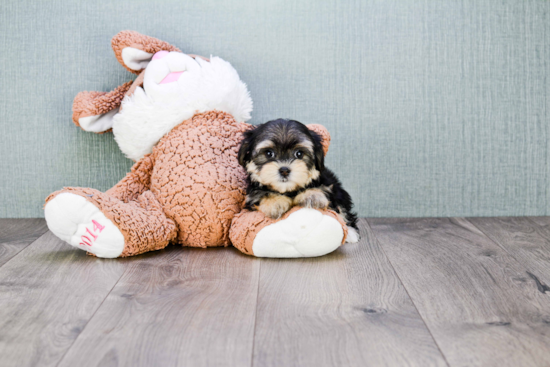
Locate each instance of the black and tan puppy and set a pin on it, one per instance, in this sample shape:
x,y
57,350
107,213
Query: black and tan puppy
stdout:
x,y
285,165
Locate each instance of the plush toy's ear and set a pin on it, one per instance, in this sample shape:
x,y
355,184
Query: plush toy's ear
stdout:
x,y
134,50
323,133
94,111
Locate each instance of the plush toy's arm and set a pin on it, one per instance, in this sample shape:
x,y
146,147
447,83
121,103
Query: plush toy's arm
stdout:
x,y
137,181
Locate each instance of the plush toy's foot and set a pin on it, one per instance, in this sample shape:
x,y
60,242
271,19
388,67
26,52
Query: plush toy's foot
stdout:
x,y
81,224
301,232
305,233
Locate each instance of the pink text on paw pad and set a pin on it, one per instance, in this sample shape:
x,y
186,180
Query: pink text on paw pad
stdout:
x,y
88,240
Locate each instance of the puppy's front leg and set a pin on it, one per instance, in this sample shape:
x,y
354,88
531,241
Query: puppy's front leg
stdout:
x,y
274,206
312,198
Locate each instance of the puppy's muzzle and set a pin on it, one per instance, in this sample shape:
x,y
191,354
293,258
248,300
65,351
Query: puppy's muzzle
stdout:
x,y
284,171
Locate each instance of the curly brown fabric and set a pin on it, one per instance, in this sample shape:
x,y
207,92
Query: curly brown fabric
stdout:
x,y
247,224
137,40
142,222
137,83
137,181
97,103
197,178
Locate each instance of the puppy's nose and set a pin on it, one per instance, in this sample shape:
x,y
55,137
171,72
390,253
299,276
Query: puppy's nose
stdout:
x,y
284,171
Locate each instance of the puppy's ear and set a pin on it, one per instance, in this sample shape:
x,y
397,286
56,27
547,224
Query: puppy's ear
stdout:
x,y
247,143
318,150
323,133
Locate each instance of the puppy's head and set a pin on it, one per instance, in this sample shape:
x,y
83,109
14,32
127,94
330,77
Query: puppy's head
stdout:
x,y
283,155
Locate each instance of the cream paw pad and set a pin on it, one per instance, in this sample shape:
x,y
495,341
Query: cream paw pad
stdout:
x,y
81,224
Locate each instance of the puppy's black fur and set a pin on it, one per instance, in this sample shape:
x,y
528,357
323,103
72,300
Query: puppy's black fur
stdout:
x,y
283,157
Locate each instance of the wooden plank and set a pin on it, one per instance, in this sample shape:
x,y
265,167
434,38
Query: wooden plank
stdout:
x,y
344,309
524,239
543,222
479,303
48,292
16,234
186,307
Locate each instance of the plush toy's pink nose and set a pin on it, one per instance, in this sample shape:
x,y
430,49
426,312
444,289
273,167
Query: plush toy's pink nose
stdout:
x,y
172,77
160,55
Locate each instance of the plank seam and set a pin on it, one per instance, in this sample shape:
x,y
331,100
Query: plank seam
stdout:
x,y
493,241
93,315
256,313
525,266
26,247
529,219
407,291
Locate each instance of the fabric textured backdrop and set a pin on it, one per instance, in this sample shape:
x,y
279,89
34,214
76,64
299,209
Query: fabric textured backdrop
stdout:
x,y
436,108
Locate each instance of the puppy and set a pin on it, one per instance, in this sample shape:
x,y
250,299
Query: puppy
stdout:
x,y
286,167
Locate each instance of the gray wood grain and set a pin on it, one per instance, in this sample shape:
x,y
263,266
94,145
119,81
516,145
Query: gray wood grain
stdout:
x,y
16,234
344,309
186,307
48,293
525,240
543,222
478,301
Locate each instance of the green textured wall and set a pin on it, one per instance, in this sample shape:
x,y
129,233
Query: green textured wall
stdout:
x,y
436,108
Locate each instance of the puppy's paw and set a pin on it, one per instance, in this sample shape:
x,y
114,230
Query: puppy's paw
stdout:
x,y
353,235
274,206
312,198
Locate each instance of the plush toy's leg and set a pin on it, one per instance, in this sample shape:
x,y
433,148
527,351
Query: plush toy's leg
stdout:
x,y
301,232
107,227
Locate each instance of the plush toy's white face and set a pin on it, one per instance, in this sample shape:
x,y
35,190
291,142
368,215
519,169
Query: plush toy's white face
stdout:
x,y
170,72
175,87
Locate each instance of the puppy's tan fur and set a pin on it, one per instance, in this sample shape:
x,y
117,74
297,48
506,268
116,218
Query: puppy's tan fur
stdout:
x,y
312,198
274,206
300,175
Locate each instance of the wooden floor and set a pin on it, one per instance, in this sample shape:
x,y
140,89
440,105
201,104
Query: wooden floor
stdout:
x,y
413,292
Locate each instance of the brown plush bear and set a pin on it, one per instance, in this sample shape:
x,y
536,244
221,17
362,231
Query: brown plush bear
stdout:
x,y
181,120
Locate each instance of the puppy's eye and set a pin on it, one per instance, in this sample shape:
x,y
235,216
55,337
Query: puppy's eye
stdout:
x,y
299,154
269,153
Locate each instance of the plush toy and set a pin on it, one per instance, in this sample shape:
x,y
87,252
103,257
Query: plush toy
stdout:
x,y
181,120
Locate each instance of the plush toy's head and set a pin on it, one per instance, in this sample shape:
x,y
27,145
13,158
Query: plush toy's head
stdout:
x,y
171,88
